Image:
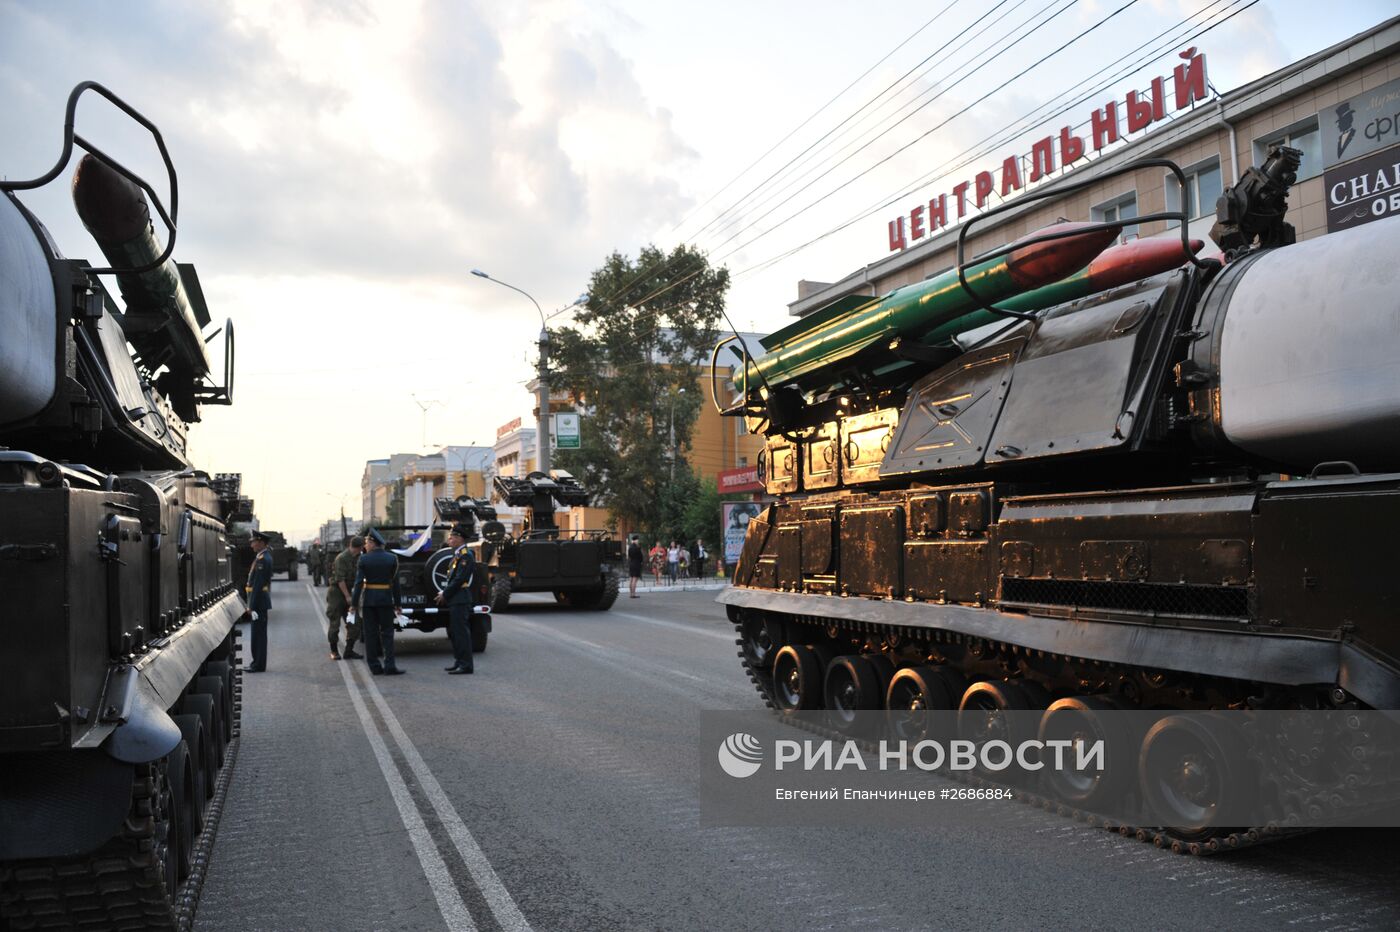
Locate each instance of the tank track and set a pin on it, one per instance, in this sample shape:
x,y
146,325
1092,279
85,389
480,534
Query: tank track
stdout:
x,y
1156,836
121,886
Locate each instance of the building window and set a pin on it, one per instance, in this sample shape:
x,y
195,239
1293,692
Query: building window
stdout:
x,y
1203,189
1303,136
1118,210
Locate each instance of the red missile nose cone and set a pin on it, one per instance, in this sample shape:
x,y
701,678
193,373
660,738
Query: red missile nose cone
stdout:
x,y
1043,263
1138,259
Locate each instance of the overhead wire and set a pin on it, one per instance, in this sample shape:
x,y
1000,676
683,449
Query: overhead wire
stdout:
x,y
845,184
799,127
1021,125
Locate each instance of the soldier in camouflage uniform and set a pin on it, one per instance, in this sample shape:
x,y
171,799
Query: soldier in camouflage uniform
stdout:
x,y
342,577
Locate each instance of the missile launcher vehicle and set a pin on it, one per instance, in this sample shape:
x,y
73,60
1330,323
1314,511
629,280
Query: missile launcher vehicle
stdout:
x,y
119,681
575,565
1076,475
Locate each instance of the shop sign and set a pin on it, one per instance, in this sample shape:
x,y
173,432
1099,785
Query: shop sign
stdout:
x,y
1363,190
1360,125
1113,121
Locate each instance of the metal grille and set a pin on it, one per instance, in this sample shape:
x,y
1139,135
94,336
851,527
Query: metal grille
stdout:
x,y
1146,598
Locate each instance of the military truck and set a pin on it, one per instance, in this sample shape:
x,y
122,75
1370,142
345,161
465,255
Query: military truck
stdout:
x,y
285,557
1072,475
119,705
577,566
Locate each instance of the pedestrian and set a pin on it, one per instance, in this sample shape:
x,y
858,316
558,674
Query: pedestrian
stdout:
x,y
338,600
658,561
683,565
673,559
259,598
376,595
634,565
456,594
700,556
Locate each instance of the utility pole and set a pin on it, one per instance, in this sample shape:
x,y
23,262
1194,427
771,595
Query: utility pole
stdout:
x,y
542,400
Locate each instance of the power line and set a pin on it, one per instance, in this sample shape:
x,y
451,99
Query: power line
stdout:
x,y
1003,139
814,115
789,218
940,86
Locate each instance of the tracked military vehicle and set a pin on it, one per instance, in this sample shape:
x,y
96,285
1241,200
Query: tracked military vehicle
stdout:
x,y
119,687
1070,474
576,566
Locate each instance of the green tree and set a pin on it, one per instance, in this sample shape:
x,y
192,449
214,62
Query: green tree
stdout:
x,y
631,363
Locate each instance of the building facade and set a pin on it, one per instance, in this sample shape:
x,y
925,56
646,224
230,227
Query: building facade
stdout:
x,y
1340,107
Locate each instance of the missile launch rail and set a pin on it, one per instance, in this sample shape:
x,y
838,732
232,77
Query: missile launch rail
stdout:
x,y
1173,493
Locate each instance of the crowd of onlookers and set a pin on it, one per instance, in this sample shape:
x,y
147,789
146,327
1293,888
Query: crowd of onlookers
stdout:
x,y
670,563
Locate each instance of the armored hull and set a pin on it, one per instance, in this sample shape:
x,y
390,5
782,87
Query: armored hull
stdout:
x,y
1173,494
120,687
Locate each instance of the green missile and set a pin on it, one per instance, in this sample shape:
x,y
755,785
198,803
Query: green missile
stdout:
x,y
1117,265
801,352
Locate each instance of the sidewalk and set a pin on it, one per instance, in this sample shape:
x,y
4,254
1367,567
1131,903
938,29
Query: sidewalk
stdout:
x,y
682,585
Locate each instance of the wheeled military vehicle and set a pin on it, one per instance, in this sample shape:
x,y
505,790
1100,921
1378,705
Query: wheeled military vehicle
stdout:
x,y
1066,475
577,566
424,572
119,685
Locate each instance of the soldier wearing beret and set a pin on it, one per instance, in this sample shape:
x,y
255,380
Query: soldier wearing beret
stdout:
x,y
377,596
259,595
457,595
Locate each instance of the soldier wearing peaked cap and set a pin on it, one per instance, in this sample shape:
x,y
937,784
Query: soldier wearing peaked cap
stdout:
x,y
259,595
457,595
377,596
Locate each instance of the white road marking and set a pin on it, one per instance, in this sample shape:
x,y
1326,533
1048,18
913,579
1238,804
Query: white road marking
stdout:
x,y
500,901
454,912
497,898
728,637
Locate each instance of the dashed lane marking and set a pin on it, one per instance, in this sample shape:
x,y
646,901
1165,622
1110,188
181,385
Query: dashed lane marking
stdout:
x,y
449,901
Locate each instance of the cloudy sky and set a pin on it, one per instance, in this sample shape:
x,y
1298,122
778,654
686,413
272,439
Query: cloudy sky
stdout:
x,y
345,163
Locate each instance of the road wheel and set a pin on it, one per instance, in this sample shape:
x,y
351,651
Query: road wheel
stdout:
x,y
851,686
500,594
180,777
917,697
797,678
216,688
1191,769
760,637
884,669
202,705
192,728
996,711
479,633
1083,720
292,572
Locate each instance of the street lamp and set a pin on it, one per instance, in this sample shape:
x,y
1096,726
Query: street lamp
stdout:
x,y
541,372
424,405
451,479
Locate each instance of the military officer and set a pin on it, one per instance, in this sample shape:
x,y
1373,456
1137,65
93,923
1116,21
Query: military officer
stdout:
x,y
457,595
338,600
377,596
259,595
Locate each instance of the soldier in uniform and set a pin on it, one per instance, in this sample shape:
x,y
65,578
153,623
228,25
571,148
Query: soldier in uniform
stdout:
x,y
338,600
457,595
314,562
377,596
259,598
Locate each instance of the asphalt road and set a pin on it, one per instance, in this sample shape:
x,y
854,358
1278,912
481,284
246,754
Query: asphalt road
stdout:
x,y
556,789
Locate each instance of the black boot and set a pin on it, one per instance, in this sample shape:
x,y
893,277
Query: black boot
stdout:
x,y
350,652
